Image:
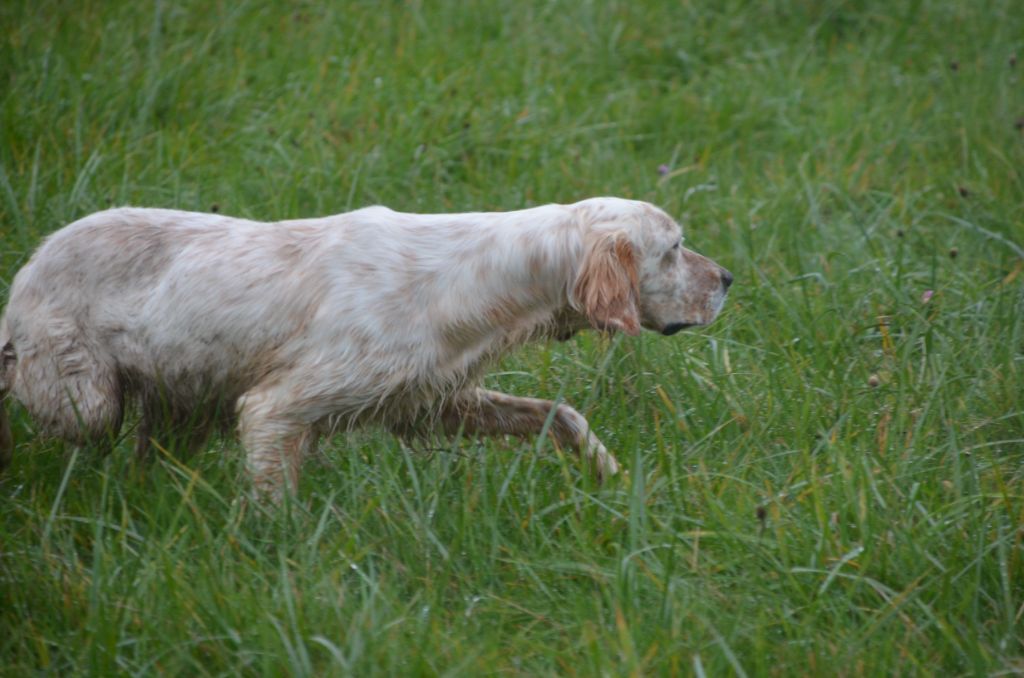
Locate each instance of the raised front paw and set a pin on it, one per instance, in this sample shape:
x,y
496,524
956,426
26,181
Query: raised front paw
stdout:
x,y
604,462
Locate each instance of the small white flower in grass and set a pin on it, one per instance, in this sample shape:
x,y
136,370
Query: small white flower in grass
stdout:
x,y
927,295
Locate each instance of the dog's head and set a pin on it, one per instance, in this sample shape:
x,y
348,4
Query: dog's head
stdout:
x,y
636,273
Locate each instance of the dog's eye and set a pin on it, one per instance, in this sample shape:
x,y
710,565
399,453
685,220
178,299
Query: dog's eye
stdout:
x,y
679,243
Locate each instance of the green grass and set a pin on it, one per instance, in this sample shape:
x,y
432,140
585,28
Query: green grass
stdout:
x,y
784,515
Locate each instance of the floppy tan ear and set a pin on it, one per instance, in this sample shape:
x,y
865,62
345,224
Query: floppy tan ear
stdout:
x,y
607,288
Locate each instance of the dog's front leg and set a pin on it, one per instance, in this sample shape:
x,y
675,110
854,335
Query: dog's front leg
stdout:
x,y
275,442
483,412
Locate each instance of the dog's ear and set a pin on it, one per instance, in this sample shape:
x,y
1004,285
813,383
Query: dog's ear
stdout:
x,y
607,288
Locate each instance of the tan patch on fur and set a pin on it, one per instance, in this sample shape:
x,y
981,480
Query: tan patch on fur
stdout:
x,y
608,286
502,314
537,263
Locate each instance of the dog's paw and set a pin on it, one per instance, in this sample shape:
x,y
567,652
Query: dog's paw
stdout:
x,y
604,462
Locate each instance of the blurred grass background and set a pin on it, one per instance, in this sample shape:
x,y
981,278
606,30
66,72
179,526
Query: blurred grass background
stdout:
x,y
828,481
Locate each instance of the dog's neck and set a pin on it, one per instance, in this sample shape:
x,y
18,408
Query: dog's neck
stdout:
x,y
519,290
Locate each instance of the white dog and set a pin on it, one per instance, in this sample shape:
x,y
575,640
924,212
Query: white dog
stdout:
x,y
298,327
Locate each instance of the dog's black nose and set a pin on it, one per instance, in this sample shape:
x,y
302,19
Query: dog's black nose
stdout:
x,y
726,278
672,328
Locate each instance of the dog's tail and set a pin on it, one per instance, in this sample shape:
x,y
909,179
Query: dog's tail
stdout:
x,y
8,359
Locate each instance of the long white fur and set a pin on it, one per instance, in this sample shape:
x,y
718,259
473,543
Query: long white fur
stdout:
x,y
372,316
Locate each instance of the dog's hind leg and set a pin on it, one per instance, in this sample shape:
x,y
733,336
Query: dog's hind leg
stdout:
x,y
71,389
7,362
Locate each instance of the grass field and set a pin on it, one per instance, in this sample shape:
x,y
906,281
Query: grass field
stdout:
x,y
828,481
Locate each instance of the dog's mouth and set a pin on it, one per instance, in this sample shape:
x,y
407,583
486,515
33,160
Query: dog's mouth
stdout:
x,y
672,328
